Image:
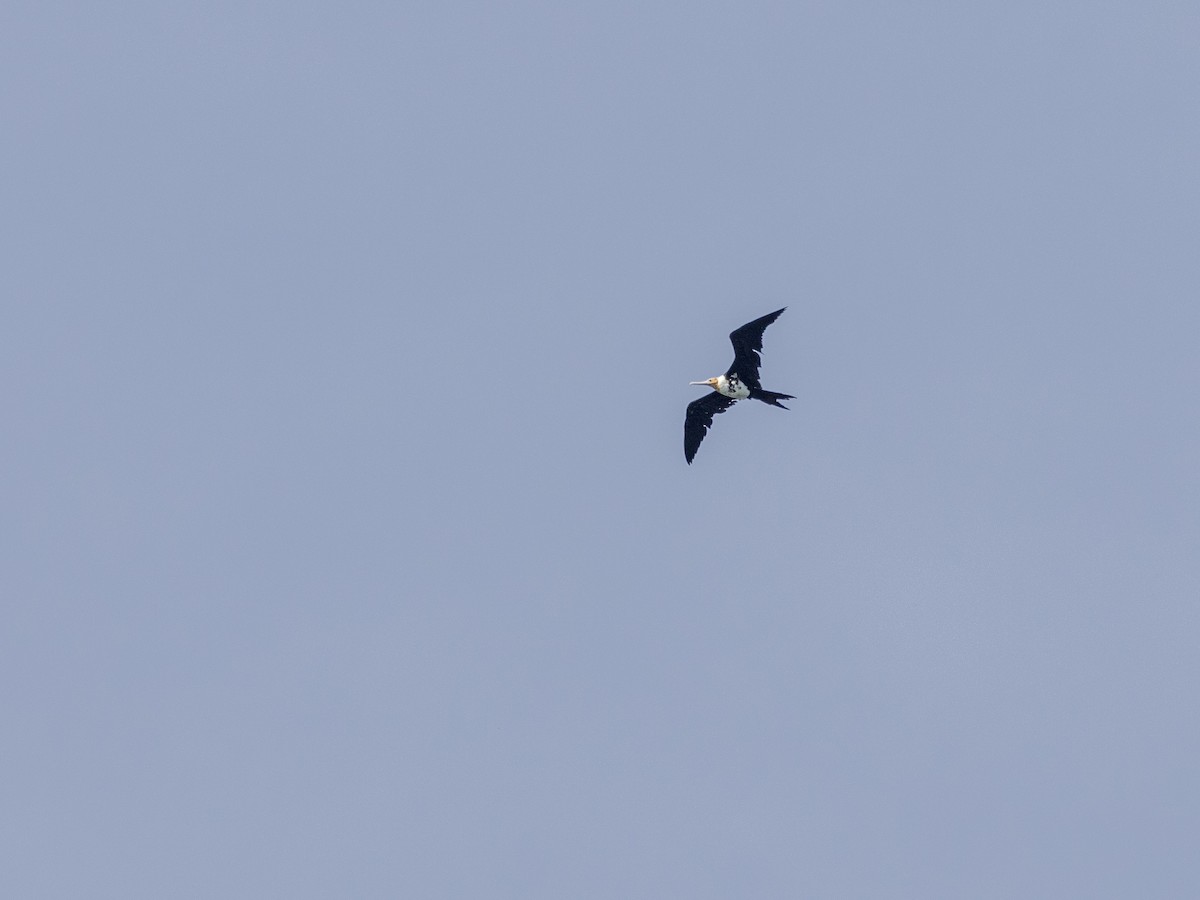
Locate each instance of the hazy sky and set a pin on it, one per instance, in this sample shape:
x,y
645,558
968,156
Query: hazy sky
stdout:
x,y
349,548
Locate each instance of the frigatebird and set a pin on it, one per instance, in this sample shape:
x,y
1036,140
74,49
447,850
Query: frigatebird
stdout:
x,y
738,383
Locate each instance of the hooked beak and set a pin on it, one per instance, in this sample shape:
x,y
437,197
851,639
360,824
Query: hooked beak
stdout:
x,y
705,383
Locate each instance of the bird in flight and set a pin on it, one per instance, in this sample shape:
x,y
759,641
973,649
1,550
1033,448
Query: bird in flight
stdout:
x,y
738,383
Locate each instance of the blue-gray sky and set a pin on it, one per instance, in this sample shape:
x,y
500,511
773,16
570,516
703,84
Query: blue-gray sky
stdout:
x,y
349,549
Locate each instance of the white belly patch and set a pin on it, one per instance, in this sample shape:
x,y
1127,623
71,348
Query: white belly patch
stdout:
x,y
731,387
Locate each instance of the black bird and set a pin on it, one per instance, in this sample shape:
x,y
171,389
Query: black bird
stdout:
x,y
738,383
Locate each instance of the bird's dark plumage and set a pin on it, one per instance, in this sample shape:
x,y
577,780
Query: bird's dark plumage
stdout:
x,y
699,419
747,342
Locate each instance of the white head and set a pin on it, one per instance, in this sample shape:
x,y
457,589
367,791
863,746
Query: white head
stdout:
x,y
712,383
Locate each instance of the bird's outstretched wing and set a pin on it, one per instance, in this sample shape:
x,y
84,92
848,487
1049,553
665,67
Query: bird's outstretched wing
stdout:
x,y
699,419
747,341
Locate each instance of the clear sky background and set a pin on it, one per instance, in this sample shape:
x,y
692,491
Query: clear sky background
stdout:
x,y
349,548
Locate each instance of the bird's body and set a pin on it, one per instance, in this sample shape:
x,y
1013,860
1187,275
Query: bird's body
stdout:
x,y
739,382
730,386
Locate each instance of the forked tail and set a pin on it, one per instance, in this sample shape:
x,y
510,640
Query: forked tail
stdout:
x,y
771,397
